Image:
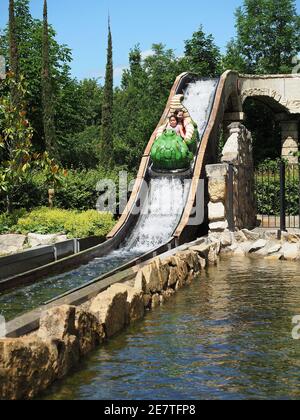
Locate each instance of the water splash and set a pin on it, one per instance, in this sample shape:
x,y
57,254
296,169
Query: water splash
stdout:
x,y
160,215
198,98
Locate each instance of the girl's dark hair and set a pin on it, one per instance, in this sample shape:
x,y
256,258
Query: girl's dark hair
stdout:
x,y
177,111
174,116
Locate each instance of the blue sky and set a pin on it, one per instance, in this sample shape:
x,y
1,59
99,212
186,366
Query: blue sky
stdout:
x,y
83,27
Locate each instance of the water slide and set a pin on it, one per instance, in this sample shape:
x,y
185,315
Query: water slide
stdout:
x,y
167,205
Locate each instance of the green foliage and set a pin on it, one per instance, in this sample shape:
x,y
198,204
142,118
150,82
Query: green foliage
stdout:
x,y
15,139
13,52
268,197
233,59
29,32
202,56
82,150
47,90
77,191
268,33
72,223
89,223
268,189
9,220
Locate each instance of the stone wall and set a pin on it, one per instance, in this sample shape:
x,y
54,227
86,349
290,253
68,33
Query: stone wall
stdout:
x,y
283,89
14,243
238,152
260,243
29,365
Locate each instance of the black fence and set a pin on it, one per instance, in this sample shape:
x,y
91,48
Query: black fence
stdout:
x,y
277,191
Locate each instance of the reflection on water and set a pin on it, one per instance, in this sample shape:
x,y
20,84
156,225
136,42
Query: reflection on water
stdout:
x,y
228,336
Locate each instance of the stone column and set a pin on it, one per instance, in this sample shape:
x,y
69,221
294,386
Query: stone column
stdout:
x,y
217,188
290,137
229,118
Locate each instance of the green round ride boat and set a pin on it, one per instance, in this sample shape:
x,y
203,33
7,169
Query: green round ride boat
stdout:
x,y
171,153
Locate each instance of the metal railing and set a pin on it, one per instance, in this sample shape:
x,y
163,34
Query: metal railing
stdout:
x,y
277,190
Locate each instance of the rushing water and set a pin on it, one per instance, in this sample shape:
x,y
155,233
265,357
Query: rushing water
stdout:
x,y
228,336
198,99
160,215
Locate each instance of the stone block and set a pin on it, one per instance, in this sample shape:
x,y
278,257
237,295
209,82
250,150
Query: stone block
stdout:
x,y
57,323
217,171
258,245
110,308
216,211
135,303
27,367
251,235
217,189
89,331
35,239
218,226
12,243
291,252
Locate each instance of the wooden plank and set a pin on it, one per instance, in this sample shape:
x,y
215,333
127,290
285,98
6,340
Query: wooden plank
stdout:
x,y
218,106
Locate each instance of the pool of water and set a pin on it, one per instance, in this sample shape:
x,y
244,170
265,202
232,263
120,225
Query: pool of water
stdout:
x,y
228,336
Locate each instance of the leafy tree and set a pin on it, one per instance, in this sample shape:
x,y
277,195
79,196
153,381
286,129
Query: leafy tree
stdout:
x,y
202,56
107,106
13,50
30,41
268,34
141,100
47,93
233,60
80,103
15,139
82,150
16,142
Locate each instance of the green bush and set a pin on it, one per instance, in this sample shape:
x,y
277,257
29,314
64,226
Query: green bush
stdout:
x,y
81,150
8,221
89,223
268,189
77,192
72,223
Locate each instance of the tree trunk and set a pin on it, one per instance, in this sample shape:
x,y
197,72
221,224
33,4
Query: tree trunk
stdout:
x,y
51,194
8,204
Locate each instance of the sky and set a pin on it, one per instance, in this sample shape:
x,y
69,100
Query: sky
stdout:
x,y
82,25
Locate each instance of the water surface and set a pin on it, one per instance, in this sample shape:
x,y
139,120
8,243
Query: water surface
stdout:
x,y
228,336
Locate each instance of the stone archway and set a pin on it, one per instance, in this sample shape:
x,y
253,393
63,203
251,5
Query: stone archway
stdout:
x,y
281,93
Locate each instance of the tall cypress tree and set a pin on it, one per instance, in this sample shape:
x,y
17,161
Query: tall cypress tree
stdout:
x,y
47,92
13,50
107,107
